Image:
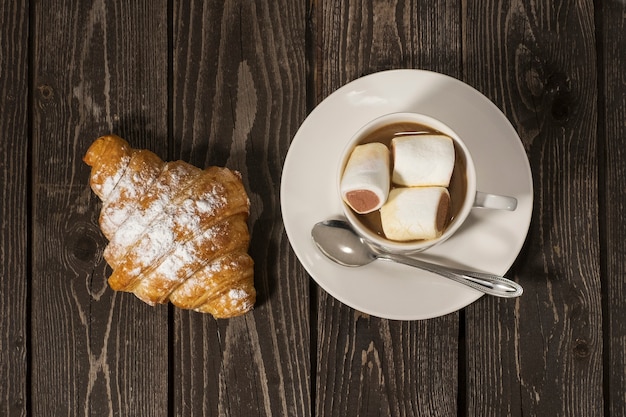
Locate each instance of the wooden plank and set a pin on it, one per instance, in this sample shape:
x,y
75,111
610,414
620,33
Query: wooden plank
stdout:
x,y
98,68
239,95
14,145
373,367
542,354
369,366
612,125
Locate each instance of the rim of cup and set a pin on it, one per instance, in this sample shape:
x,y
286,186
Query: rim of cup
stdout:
x,y
459,218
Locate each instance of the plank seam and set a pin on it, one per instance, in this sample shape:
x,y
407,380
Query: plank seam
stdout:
x,y
312,88
602,205
462,368
29,203
171,314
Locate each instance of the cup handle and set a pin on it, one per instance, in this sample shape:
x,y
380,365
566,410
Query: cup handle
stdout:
x,y
495,201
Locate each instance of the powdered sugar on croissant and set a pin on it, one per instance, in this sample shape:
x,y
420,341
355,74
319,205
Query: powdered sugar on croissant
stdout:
x,y
176,233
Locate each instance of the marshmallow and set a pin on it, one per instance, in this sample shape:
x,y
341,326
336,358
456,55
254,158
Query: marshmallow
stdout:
x,y
422,160
365,181
415,213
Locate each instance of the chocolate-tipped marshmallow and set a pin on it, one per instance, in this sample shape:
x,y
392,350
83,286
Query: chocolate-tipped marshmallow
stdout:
x,y
365,181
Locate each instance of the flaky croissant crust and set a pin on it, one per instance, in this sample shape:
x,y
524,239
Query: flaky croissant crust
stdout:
x,y
176,233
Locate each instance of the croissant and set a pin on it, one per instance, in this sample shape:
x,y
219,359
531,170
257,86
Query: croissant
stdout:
x,y
176,232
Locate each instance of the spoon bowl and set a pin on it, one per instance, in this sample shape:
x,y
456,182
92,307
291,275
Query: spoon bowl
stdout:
x,y
339,242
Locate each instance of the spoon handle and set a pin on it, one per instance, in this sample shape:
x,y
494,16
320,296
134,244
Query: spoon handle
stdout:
x,y
486,283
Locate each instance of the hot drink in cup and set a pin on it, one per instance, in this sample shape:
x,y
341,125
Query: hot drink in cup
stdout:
x,y
407,182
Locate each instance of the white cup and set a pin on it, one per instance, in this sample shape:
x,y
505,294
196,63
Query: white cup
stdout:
x,y
469,199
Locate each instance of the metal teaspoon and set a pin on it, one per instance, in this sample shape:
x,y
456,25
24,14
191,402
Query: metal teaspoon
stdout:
x,y
337,240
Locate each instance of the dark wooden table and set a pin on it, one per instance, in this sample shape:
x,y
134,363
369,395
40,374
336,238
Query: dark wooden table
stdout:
x,y
228,83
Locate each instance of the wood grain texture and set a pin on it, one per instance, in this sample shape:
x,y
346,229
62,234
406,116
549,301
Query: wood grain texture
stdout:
x,y
355,38
14,145
374,367
612,123
542,354
239,95
368,366
98,68
228,83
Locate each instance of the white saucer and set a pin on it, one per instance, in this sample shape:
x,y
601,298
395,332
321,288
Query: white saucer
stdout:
x,y
488,241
